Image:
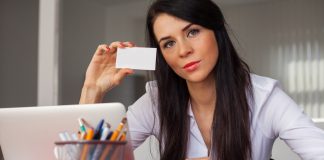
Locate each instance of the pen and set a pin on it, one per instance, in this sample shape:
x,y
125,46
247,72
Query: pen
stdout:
x,y
74,137
68,138
85,123
62,136
98,129
82,127
104,133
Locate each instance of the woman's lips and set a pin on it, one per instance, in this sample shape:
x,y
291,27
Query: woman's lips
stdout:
x,y
191,66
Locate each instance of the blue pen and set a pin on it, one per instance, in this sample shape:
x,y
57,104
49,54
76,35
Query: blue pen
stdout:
x,y
98,129
104,130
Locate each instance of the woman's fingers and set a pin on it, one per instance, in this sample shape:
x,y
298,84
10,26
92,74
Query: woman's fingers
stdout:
x,y
114,45
112,48
101,49
129,44
121,74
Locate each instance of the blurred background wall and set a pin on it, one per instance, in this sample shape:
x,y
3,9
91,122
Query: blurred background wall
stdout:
x,y
18,52
284,40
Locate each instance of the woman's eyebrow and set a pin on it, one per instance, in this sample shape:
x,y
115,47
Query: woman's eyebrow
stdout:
x,y
187,26
164,38
183,29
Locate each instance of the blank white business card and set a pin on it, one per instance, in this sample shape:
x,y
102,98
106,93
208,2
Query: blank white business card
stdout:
x,y
136,58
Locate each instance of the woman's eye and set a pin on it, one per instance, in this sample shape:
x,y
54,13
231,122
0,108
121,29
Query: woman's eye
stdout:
x,y
168,44
193,32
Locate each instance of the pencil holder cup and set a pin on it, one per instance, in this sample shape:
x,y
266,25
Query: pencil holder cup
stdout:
x,y
93,150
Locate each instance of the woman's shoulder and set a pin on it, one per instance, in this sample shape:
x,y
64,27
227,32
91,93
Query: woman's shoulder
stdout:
x,y
146,106
263,89
142,114
263,84
149,99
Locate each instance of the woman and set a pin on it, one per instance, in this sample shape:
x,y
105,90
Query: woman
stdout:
x,y
204,102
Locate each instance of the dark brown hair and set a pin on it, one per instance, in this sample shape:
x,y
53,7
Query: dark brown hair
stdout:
x,y
231,122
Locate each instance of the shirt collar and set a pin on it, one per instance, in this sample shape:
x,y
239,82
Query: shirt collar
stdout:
x,y
190,113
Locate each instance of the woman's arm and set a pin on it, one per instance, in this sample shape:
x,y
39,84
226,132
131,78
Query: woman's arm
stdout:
x,y
102,75
294,127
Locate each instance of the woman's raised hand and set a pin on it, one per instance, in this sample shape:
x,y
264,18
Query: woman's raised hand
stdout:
x,y
102,75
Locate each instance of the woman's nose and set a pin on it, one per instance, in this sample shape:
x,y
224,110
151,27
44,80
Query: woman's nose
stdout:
x,y
185,49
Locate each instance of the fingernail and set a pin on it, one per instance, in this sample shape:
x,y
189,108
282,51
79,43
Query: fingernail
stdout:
x,y
122,44
108,49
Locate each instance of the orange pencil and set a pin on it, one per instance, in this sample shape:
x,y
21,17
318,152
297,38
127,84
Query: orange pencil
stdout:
x,y
118,130
89,136
123,137
121,134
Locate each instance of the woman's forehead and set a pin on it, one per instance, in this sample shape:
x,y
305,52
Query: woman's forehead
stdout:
x,y
165,25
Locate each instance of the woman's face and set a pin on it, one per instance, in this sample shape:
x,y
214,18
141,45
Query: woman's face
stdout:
x,y
189,49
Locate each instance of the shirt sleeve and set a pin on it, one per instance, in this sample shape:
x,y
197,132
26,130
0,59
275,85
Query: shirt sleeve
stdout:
x,y
141,120
294,127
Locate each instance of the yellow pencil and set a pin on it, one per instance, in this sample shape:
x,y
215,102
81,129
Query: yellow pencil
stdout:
x,y
113,138
118,130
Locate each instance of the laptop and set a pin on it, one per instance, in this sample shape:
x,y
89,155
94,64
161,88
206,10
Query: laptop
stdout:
x,y
29,133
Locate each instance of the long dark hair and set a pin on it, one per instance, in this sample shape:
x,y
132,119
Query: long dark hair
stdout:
x,y
231,122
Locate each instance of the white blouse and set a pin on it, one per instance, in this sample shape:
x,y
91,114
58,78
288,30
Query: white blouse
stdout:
x,y
274,114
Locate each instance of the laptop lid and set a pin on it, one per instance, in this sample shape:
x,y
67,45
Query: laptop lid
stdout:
x,y
29,133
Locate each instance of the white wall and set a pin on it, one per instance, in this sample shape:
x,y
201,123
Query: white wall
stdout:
x,y
85,25
126,22
284,40
18,52
82,29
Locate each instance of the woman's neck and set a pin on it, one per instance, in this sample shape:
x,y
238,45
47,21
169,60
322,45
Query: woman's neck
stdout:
x,y
203,95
